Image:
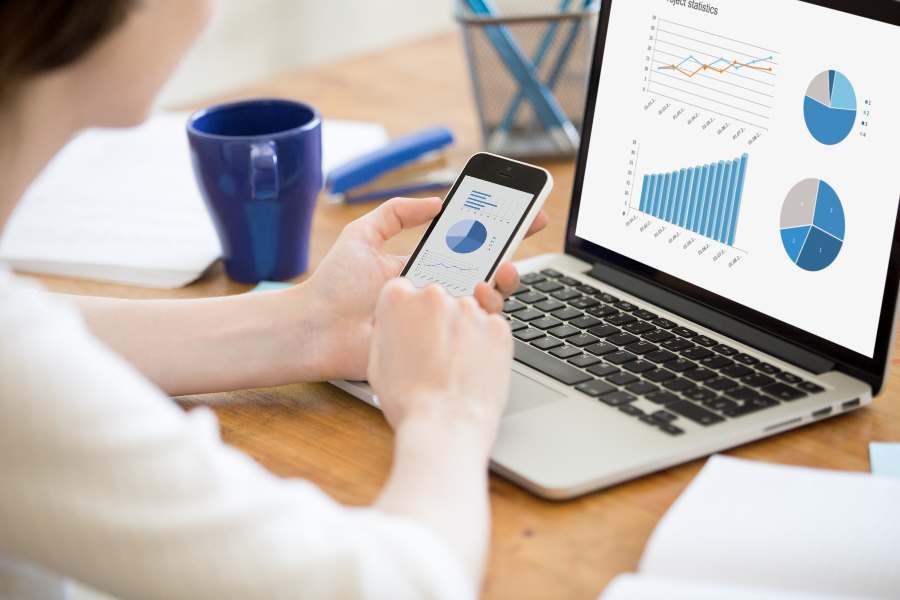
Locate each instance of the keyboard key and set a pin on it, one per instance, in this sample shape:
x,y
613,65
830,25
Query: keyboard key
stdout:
x,y
570,281
595,388
511,306
722,404
676,345
529,315
532,278
586,289
584,302
585,322
783,392
604,330
696,353
680,365
564,331
767,368
549,365
664,416
679,385
700,395
664,323
516,325
659,375
620,320
619,358
694,413
641,348
565,352
725,350
546,343
722,384
757,380
751,407
684,332
601,348
584,360
742,394
671,429
649,420
746,359
602,311
546,323
617,398
548,286
551,273
549,305
566,295
581,340
788,377
642,388
736,371
657,336
639,366
704,341
638,327
810,387
622,339
631,410
662,398
626,306
566,314
716,362
603,370
530,297
645,315
622,378
608,298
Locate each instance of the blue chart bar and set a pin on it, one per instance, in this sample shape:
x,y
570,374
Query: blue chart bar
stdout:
x,y
478,200
705,199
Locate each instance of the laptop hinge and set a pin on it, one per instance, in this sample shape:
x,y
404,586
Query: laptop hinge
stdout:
x,y
713,319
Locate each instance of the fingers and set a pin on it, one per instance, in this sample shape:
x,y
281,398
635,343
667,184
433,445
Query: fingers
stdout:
x,y
506,279
488,298
538,224
395,215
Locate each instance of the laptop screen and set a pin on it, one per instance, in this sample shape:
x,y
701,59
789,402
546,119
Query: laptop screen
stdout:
x,y
751,149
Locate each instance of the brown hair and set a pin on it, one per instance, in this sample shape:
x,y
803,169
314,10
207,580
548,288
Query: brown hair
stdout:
x,y
37,36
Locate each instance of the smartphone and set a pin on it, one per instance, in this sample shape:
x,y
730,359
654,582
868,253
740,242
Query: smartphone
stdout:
x,y
485,215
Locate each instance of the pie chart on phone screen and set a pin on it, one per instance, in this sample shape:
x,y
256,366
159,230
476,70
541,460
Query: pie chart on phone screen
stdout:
x,y
466,236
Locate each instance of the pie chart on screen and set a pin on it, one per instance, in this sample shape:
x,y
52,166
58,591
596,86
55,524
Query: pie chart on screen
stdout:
x,y
466,236
830,107
813,225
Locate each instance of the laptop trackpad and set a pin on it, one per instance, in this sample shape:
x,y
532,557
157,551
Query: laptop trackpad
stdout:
x,y
526,393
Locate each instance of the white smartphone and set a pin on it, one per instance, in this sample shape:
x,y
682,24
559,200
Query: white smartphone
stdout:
x,y
483,220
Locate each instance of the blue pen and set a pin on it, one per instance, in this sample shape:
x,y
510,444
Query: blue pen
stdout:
x,y
558,126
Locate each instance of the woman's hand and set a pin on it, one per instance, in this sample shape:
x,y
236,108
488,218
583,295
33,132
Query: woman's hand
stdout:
x,y
343,290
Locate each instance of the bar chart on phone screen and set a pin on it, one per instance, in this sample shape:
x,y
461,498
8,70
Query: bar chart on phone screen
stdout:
x,y
715,78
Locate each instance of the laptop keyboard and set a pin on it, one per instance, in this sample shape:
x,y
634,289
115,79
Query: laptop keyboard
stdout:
x,y
620,353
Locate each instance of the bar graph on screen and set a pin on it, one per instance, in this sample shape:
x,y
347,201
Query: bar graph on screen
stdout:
x,y
704,199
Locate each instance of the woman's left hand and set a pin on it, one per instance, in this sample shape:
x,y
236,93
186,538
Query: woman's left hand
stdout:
x,y
342,292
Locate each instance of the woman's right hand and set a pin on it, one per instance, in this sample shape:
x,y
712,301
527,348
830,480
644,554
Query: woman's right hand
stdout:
x,y
439,360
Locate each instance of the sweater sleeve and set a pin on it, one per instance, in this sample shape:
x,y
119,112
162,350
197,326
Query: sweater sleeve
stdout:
x,y
107,481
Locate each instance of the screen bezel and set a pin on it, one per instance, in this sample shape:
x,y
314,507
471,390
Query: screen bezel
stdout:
x,y
500,171
872,369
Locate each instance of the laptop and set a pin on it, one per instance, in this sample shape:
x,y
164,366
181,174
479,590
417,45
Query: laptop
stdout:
x,y
730,269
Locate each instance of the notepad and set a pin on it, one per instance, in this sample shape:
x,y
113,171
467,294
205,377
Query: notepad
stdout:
x,y
748,531
123,206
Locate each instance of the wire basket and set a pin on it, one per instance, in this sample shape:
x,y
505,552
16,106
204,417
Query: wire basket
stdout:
x,y
556,41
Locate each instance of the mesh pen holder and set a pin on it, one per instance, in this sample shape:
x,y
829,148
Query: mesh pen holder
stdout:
x,y
549,49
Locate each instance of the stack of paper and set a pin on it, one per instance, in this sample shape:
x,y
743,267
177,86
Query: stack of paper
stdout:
x,y
123,205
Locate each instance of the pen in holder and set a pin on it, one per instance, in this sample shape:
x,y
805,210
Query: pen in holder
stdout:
x,y
529,73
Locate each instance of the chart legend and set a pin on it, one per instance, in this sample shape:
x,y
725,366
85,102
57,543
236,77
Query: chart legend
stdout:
x,y
705,199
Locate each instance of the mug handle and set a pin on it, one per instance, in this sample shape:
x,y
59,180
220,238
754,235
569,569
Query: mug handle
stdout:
x,y
264,171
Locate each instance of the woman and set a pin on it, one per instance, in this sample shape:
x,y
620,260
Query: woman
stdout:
x,y
105,480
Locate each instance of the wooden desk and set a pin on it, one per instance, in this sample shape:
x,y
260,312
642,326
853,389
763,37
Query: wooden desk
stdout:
x,y
540,549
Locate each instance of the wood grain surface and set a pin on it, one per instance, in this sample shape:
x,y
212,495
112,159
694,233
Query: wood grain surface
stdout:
x,y
540,549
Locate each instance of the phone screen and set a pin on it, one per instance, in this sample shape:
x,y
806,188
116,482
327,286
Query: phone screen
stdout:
x,y
465,243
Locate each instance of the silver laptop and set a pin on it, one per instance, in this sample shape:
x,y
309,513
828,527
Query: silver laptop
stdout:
x,y
730,268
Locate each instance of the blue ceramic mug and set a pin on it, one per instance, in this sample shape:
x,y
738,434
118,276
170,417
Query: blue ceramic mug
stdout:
x,y
259,167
